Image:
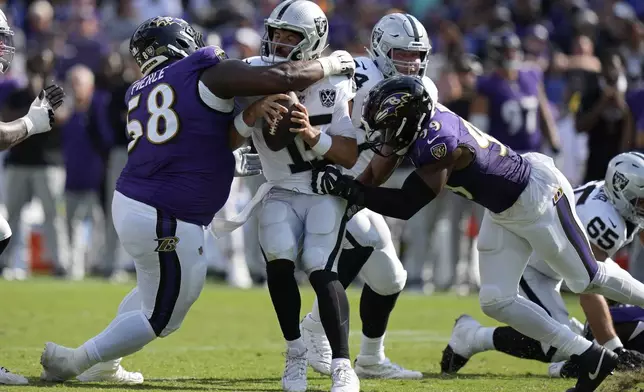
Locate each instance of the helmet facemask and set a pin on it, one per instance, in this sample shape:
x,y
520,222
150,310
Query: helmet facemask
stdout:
x,y
273,51
7,49
408,62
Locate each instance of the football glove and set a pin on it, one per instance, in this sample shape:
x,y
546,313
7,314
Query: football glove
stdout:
x,y
331,181
339,62
40,117
246,164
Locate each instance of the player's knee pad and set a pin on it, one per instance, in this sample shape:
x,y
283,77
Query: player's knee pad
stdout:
x,y
384,273
276,232
493,301
322,237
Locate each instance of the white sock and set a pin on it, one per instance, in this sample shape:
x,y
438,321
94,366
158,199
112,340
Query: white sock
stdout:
x,y
613,282
373,347
335,362
127,333
315,312
484,338
296,345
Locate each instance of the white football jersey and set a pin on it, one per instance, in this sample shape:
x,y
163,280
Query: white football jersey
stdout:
x,y
327,102
604,225
366,76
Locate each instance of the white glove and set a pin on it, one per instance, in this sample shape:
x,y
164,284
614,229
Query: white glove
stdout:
x,y
246,164
339,62
40,117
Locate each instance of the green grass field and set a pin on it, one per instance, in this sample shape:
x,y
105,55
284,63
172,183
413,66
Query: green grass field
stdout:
x,y
231,341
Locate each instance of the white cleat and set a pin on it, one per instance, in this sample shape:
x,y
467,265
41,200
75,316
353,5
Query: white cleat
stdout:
x,y
110,371
58,363
8,378
294,378
319,349
461,344
374,367
344,379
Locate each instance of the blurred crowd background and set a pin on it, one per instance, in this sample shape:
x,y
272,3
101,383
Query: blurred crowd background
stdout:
x,y
57,187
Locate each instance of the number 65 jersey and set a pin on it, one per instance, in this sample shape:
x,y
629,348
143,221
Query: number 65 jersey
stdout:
x,y
327,103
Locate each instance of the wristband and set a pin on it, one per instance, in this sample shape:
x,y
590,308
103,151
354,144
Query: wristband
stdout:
x,y
29,124
323,145
326,66
242,128
614,344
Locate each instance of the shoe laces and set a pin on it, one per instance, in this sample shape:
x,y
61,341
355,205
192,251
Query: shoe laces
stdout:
x,y
320,347
295,367
342,375
4,370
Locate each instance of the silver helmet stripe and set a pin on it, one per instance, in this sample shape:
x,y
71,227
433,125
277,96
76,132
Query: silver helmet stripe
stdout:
x,y
283,10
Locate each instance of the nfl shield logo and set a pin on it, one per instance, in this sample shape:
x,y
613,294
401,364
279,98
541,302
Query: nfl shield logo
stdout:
x,y
327,98
439,151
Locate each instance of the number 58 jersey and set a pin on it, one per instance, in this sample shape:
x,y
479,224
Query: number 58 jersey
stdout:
x,y
327,103
179,157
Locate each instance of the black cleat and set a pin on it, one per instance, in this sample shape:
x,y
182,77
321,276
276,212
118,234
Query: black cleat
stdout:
x,y
595,364
452,362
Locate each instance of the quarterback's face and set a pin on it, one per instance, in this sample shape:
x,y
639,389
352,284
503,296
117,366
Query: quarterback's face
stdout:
x,y
284,41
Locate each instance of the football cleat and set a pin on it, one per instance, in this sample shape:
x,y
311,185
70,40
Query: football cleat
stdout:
x,y
110,371
595,364
344,379
294,378
461,345
8,378
58,363
319,349
373,367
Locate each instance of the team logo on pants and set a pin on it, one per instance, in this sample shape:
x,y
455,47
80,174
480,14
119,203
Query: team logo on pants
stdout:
x,y
558,194
167,244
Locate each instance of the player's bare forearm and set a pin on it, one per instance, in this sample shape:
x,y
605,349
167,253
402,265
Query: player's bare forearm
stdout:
x,y
628,132
598,315
232,78
379,170
587,119
12,133
343,151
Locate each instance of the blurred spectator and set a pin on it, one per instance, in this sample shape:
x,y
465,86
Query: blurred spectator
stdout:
x,y
119,72
84,145
30,166
605,116
85,44
121,20
39,31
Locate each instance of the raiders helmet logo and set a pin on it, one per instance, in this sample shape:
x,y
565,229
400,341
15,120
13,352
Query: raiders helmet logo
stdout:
x,y
439,150
390,105
619,181
321,26
166,244
376,36
327,98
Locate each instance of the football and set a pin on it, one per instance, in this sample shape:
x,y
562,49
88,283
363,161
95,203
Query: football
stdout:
x,y
277,135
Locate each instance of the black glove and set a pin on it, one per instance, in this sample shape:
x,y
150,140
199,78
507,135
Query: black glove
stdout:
x,y
629,360
352,210
331,181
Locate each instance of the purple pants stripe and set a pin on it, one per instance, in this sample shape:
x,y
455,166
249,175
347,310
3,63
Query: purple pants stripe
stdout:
x,y
576,236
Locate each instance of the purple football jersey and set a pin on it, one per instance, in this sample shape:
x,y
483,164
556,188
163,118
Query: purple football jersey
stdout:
x,y
497,175
513,109
179,158
626,313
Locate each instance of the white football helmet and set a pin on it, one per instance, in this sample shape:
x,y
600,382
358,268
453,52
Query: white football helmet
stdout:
x,y
7,50
300,16
625,185
399,32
